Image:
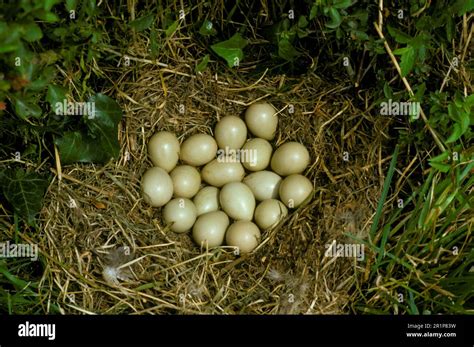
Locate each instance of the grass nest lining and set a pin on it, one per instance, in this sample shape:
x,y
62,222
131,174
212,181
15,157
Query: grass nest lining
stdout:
x,y
94,211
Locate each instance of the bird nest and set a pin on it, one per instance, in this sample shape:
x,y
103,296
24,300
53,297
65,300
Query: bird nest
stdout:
x,y
107,251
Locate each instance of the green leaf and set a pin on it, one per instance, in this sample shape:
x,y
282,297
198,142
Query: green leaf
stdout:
x,y
142,23
302,22
400,51
207,28
154,44
71,5
25,108
456,134
231,49
25,192
203,64
335,19
286,50
387,91
78,147
360,35
101,143
43,80
32,32
407,61
342,3
171,29
314,11
398,35
8,47
55,94
463,6
107,112
47,16
48,4
440,166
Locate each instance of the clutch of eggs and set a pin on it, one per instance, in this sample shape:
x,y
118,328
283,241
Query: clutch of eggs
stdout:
x,y
227,188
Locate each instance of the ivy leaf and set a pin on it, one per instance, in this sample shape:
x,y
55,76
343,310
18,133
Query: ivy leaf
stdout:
x,y
456,134
231,49
407,61
78,147
100,144
398,35
203,64
55,94
24,108
25,192
142,23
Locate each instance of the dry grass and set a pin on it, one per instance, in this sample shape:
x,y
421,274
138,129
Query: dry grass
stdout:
x,y
288,273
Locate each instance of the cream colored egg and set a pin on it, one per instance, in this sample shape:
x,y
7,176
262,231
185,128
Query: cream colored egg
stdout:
x,y
262,120
256,154
294,190
156,186
230,132
186,181
207,200
210,229
181,214
219,172
244,235
263,184
163,150
269,212
290,158
237,201
198,150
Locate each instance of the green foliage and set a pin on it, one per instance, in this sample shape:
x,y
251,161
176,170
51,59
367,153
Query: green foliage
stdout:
x,y
231,50
99,143
202,64
142,23
37,37
24,191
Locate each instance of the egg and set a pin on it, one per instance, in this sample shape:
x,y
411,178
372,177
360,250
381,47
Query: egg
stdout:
x,y
163,150
269,212
198,150
256,154
263,184
181,214
244,235
156,187
262,120
219,172
210,229
207,200
237,201
186,181
230,132
290,158
294,190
